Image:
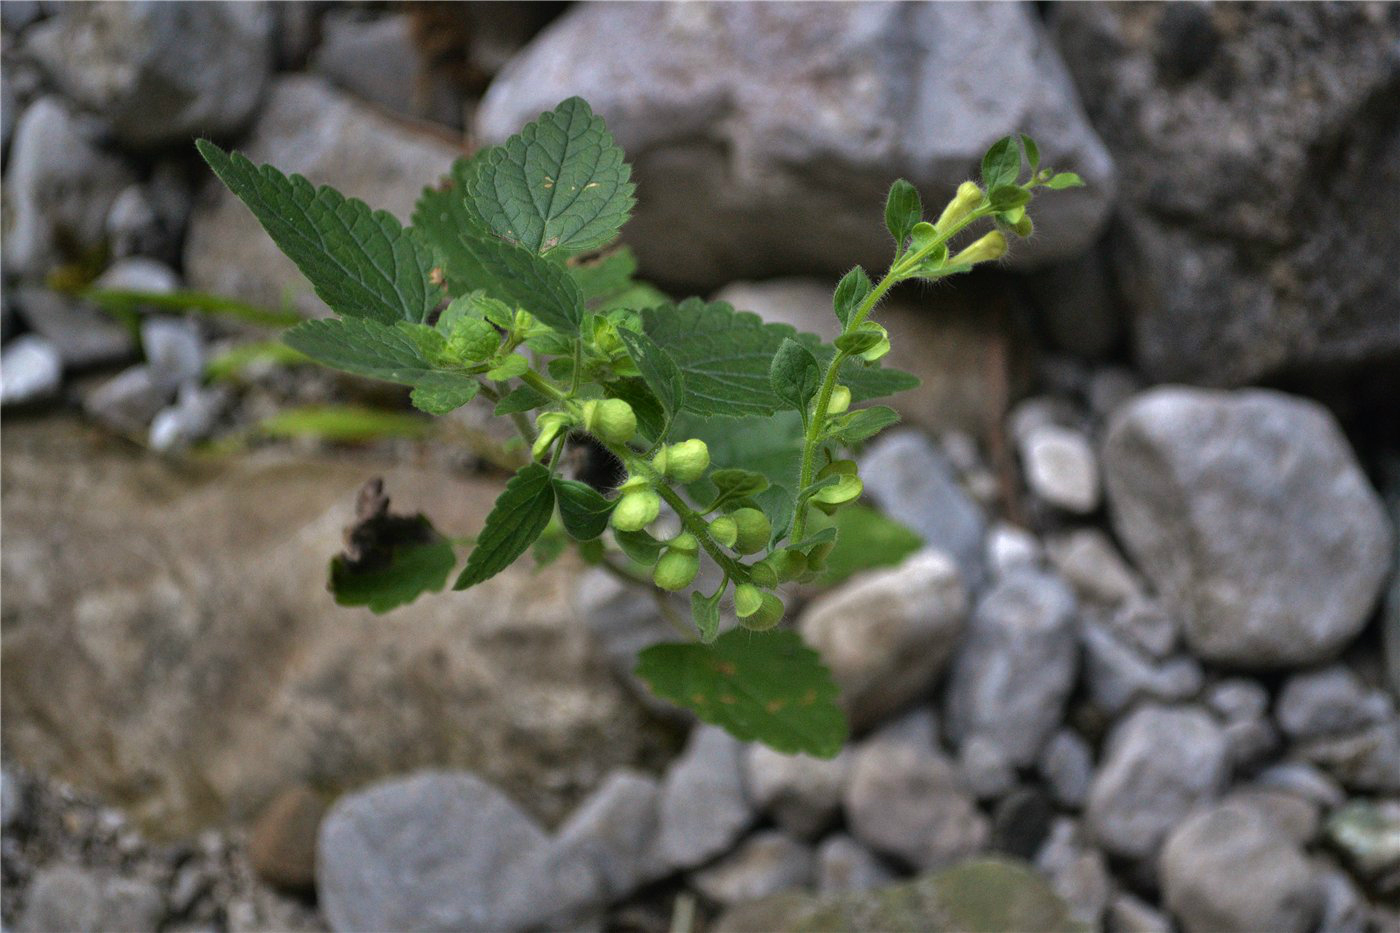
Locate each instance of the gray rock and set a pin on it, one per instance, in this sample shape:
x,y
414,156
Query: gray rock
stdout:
x,y
19,15
1251,517
845,865
160,73
83,335
1081,313
1296,816
1009,547
132,225
764,134
1127,914
68,898
984,768
1159,764
30,370
128,401
401,80
1118,674
907,476
1344,908
308,128
1367,833
1229,868
766,863
1110,387
1076,871
1201,105
139,274
1092,565
1367,761
1061,469
1327,702
1238,699
1305,780
622,620
887,635
704,809
1147,625
614,832
1016,667
58,188
1251,741
14,800
440,851
801,793
1067,764
190,419
905,800
174,351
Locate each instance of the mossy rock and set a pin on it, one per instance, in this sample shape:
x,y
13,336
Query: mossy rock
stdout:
x,y
992,895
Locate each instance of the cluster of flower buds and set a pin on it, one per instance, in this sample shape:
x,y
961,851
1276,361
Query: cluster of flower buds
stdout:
x,y
638,505
679,564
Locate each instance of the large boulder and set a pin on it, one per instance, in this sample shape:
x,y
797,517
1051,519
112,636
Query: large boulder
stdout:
x,y
169,640
1259,149
1249,513
160,73
308,128
765,136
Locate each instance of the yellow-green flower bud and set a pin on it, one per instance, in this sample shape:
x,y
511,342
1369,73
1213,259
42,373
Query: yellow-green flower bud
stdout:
x,y
763,574
611,419
768,614
754,530
675,570
818,521
636,510
789,563
685,543
548,424
967,200
1023,227
840,400
724,530
748,599
686,461
524,321
847,488
988,248
880,349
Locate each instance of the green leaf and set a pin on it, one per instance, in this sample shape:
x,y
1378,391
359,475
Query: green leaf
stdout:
x,y
794,374
705,611
1064,180
508,367
865,540
770,446
856,426
584,509
521,512
360,262
659,371
347,424
766,687
523,398
1009,196
853,288
903,209
369,348
443,213
639,546
441,393
606,275
560,183
865,380
1032,152
776,503
1002,164
412,558
504,270
864,337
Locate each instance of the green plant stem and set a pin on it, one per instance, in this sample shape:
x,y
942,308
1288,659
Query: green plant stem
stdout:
x,y
522,424
900,269
542,385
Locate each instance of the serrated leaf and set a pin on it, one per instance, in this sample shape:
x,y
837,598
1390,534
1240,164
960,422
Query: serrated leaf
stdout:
x,y
704,610
443,213
1032,153
521,399
508,367
856,426
360,261
390,559
519,516
903,209
1002,164
441,393
504,270
1064,180
658,370
1009,196
766,687
639,546
865,540
865,380
362,346
583,509
853,288
560,183
794,374
738,483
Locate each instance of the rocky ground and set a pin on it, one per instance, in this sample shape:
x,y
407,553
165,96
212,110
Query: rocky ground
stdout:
x,y
1142,675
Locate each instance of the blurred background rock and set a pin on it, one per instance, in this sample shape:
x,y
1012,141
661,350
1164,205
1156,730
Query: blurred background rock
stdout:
x,y
1144,670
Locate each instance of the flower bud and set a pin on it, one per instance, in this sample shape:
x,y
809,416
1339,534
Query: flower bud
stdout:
x,y
724,530
636,510
840,400
847,488
768,614
988,248
763,574
611,419
754,530
967,200
524,321
548,424
675,570
685,543
1023,227
748,599
789,563
686,461
879,349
